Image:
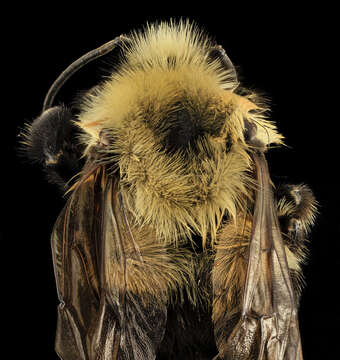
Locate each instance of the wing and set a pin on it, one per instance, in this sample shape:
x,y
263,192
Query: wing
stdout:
x,y
98,318
264,325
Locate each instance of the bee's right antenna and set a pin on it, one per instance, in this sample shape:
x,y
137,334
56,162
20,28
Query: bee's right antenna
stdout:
x,y
217,52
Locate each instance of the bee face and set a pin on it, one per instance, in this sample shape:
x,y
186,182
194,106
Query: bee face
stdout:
x,y
177,132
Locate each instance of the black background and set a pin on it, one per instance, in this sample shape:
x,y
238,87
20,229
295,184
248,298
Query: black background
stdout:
x,y
285,53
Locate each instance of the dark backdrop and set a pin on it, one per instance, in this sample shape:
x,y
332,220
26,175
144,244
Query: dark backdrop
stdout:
x,y
284,53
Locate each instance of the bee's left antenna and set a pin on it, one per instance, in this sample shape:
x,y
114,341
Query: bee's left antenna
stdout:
x,y
78,64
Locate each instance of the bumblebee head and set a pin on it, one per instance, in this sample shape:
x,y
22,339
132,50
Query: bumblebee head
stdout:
x,y
171,124
176,130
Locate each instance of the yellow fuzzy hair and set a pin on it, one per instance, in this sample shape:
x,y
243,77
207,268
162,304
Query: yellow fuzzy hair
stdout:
x,y
163,66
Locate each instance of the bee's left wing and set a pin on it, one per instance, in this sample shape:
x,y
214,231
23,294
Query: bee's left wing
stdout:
x,y
98,318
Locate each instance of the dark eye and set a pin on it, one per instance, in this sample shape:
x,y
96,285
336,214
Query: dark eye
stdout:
x,y
250,130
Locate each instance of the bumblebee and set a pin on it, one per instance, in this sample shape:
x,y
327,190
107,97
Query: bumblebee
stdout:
x,y
173,242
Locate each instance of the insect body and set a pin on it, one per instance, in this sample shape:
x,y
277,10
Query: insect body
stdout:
x,y
172,243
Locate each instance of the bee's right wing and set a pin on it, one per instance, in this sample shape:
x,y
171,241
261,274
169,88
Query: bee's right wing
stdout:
x,y
254,308
97,317
269,313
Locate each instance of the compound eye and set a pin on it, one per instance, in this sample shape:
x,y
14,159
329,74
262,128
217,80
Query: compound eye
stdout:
x,y
250,130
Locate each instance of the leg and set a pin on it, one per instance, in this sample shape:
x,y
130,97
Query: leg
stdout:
x,y
297,208
51,141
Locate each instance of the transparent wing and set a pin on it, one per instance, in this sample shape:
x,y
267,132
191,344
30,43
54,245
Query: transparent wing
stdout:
x,y
98,318
263,324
